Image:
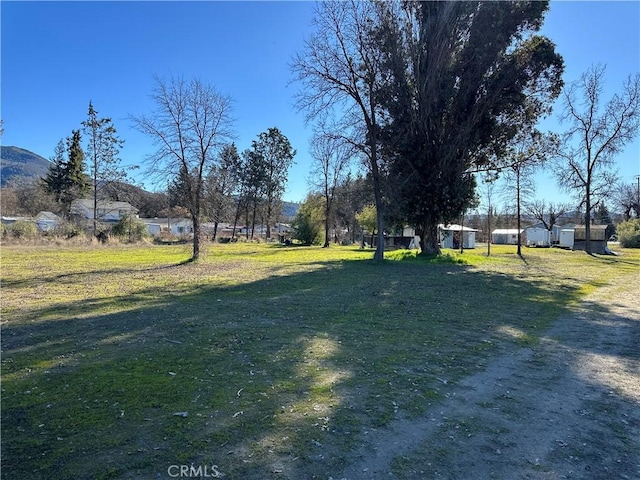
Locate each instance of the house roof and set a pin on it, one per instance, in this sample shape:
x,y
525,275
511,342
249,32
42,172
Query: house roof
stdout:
x,y
506,231
593,227
456,228
47,216
538,226
163,220
104,204
561,227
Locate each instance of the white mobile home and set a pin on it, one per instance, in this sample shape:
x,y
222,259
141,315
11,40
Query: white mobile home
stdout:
x,y
537,237
175,226
505,236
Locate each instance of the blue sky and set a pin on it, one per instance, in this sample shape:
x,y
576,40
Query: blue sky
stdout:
x,y
56,56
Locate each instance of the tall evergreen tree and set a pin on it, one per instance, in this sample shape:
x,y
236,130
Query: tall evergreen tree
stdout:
x,y
79,182
55,181
65,179
103,146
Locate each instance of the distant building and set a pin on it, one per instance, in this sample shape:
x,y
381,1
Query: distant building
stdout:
x,y
505,236
449,236
46,221
175,226
107,211
598,238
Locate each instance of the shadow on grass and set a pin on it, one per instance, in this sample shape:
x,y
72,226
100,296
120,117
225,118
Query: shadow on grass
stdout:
x,y
278,378
78,276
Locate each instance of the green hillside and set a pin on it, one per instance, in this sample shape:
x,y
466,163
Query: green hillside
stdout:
x,y
16,162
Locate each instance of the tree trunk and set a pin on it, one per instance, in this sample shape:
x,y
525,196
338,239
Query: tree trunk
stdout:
x,y
379,254
326,230
462,233
269,219
429,240
327,209
95,210
518,212
587,222
196,238
587,218
489,231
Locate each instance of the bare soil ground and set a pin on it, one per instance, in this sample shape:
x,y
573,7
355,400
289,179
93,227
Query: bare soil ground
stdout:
x,y
566,407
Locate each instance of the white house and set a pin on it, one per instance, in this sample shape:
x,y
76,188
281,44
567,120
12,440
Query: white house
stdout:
x,y
450,236
107,211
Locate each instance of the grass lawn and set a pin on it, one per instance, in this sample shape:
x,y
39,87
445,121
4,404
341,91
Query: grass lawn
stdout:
x,y
259,361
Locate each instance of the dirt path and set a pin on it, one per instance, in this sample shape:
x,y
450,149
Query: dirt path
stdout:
x,y
567,408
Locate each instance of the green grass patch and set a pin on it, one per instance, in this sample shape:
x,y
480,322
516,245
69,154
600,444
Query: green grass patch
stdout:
x,y
265,361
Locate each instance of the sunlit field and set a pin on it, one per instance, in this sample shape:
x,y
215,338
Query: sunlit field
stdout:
x,y
259,360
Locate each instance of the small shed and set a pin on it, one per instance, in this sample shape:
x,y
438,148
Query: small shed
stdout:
x,y
154,229
555,232
537,237
598,238
505,236
565,238
450,236
46,221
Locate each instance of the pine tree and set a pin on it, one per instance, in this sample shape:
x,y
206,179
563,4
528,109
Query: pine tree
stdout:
x,y
103,146
65,179
78,180
54,182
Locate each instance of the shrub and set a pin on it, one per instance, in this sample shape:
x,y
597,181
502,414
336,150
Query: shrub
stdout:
x,y
130,229
306,229
66,230
629,233
23,229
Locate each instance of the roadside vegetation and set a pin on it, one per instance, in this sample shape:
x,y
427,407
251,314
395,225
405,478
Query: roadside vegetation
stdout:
x,y
261,360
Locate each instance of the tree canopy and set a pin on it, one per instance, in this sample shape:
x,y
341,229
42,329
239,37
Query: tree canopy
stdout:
x,y
432,92
463,79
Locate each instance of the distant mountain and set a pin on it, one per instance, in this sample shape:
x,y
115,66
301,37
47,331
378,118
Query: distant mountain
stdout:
x,y
16,162
290,209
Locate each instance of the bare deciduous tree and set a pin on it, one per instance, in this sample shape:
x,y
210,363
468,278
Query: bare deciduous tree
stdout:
x,y
547,213
526,153
595,135
331,157
192,121
340,67
627,196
